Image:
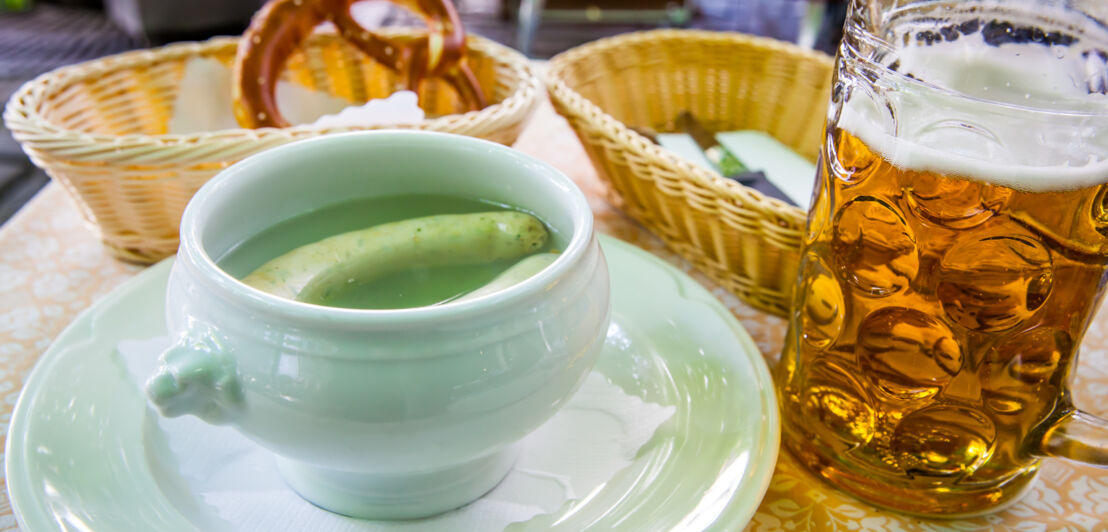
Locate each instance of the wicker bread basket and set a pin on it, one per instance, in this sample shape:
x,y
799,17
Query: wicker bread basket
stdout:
x,y
99,128
748,243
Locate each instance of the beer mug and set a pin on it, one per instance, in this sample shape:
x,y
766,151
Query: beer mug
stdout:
x,y
956,251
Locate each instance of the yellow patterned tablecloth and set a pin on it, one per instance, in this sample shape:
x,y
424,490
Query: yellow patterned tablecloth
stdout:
x,y
52,267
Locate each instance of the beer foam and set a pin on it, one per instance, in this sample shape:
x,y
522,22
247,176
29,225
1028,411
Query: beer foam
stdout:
x,y
1027,115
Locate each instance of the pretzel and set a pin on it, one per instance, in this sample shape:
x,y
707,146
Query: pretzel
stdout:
x,y
282,25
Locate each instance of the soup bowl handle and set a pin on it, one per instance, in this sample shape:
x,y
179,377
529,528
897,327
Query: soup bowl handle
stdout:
x,y
196,376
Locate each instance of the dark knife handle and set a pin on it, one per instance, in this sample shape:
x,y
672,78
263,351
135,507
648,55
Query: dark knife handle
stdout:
x,y
757,180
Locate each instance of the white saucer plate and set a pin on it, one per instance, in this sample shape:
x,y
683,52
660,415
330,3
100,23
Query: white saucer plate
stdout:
x,y
82,454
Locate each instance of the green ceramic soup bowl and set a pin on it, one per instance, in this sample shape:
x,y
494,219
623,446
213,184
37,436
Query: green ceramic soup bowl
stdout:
x,y
385,414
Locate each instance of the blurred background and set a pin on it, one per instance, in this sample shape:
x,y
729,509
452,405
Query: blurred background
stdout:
x,y
37,36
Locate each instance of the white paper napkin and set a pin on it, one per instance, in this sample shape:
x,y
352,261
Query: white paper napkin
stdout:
x,y
203,104
597,433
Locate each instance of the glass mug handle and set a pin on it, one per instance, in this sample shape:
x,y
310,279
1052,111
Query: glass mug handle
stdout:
x,y
1077,436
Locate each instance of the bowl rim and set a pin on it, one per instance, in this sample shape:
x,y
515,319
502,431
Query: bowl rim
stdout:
x,y
194,256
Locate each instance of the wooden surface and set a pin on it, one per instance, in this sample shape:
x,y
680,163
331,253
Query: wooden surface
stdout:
x,y
52,268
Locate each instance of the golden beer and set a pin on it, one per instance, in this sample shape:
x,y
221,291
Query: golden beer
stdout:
x,y
943,297
938,322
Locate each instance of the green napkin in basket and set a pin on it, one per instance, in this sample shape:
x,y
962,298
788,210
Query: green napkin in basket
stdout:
x,y
790,172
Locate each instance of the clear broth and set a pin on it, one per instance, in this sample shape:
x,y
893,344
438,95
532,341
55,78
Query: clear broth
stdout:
x,y
413,287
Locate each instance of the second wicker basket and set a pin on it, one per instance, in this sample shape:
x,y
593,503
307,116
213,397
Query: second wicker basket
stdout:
x,y
748,243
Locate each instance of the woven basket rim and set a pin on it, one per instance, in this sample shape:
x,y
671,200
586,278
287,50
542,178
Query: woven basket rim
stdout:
x,y
642,146
26,99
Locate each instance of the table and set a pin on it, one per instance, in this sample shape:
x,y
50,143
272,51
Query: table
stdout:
x,y
52,267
